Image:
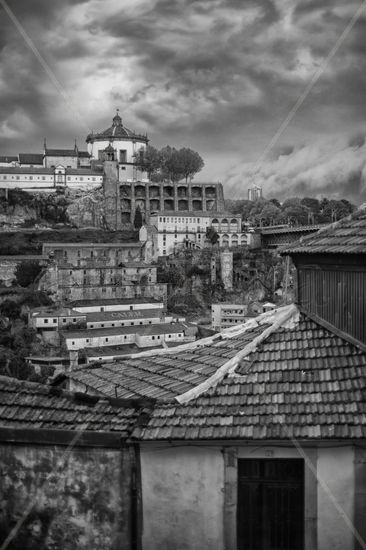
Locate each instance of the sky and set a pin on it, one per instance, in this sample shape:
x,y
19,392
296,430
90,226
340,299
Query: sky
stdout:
x,y
218,76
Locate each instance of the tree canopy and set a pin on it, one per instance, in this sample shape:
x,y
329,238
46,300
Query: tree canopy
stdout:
x,y
293,211
137,222
169,164
26,272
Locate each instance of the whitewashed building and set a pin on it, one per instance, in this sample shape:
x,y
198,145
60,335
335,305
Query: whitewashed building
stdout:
x,y
177,230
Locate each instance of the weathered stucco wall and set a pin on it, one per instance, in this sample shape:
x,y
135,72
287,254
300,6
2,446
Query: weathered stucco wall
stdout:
x,y
182,495
185,506
336,470
79,502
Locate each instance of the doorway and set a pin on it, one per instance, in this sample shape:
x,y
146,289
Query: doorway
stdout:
x,y
270,513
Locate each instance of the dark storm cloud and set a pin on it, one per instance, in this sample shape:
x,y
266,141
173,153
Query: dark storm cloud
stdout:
x,y
220,75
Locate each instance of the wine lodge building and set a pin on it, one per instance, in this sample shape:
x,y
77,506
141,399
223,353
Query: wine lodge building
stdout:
x,y
251,439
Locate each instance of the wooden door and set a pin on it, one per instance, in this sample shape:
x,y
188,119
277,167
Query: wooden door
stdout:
x,y
270,504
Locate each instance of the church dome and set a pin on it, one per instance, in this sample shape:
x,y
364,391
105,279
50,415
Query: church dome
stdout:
x,y
116,132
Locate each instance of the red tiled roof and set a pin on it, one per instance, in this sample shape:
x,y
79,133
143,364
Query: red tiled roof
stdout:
x,y
347,236
301,381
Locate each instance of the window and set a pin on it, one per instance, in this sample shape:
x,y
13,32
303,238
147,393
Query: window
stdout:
x,y
30,177
106,339
17,177
73,343
54,321
64,320
132,323
169,335
74,320
112,324
46,321
153,337
131,307
102,309
87,340
104,290
43,177
91,326
102,325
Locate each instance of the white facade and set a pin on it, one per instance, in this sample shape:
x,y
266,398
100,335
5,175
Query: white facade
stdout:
x,y
121,145
55,319
175,230
49,179
115,305
126,319
227,315
141,336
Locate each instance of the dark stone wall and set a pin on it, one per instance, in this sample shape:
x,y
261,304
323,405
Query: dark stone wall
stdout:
x,y
81,499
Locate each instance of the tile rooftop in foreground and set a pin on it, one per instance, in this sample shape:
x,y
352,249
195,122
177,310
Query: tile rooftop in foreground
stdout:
x,y
276,376
30,405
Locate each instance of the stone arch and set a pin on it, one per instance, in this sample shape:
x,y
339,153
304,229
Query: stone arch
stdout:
x,y
224,225
215,224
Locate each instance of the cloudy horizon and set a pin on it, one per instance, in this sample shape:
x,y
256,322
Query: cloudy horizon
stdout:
x,y
219,76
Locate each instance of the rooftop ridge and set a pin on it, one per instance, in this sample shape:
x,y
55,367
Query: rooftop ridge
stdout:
x,y
286,316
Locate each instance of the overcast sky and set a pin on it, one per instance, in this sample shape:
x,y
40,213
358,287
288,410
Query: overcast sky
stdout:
x,y
218,76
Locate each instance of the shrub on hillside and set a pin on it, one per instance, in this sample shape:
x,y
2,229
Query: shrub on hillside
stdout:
x,y
26,272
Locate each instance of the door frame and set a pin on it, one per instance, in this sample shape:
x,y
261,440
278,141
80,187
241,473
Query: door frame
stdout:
x,y
231,456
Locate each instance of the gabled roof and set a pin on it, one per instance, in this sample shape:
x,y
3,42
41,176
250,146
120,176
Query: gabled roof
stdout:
x,y
61,153
276,376
347,236
36,406
8,158
301,381
167,373
47,311
30,158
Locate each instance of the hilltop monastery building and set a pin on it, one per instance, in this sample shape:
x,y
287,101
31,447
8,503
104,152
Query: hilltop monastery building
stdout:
x,y
109,161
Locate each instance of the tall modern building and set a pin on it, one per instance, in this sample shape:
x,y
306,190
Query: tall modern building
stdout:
x,y
254,193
